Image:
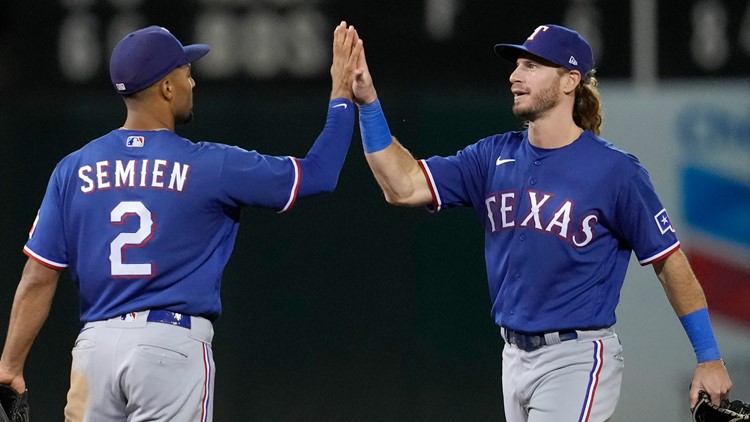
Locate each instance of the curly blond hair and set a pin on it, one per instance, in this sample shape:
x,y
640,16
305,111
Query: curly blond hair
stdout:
x,y
587,110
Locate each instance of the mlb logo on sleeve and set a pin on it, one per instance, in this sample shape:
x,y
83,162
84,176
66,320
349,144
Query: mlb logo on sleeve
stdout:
x,y
662,220
135,141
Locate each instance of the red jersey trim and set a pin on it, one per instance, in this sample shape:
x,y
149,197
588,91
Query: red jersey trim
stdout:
x,y
295,186
436,202
661,255
46,262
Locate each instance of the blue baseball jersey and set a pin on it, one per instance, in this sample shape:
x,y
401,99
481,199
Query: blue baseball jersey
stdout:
x,y
560,225
148,219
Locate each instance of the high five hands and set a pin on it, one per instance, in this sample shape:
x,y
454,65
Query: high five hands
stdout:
x,y
349,72
347,48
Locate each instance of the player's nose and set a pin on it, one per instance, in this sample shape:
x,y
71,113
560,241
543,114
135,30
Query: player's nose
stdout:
x,y
514,76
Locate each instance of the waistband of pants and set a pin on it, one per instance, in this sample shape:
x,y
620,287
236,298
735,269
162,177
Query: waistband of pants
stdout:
x,y
529,342
198,328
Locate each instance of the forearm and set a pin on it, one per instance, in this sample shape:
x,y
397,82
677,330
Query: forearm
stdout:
x,y
399,176
322,165
680,284
31,306
394,168
686,296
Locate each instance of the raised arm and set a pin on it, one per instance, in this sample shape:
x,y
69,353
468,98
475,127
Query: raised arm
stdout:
x,y
397,172
686,296
321,167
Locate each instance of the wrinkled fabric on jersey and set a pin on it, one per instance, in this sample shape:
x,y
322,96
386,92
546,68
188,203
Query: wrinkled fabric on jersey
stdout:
x,y
200,186
148,219
560,225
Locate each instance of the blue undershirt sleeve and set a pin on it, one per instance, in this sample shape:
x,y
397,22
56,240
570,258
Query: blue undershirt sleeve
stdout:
x,y
320,169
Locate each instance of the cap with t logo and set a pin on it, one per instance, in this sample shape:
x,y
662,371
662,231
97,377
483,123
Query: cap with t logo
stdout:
x,y
557,44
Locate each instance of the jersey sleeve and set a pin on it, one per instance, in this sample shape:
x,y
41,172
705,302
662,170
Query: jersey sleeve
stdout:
x,y
321,167
644,221
456,180
251,178
46,242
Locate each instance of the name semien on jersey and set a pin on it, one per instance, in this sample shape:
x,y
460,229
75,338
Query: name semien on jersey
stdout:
x,y
501,207
153,174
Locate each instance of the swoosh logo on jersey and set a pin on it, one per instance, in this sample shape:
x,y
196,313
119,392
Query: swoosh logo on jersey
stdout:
x,y
501,161
340,105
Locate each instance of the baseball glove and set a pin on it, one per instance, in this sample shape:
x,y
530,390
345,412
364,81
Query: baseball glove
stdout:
x,y
733,411
15,406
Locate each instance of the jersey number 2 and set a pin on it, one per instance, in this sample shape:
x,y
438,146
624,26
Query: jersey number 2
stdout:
x,y
136,239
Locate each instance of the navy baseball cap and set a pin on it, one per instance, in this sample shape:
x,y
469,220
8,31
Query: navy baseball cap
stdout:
x,y
147,55
557,44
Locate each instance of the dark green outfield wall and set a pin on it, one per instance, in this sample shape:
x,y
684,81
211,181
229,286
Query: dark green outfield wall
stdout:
x,y
345,309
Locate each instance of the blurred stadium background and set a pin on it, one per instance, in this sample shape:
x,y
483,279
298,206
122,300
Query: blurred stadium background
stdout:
x,y
348,309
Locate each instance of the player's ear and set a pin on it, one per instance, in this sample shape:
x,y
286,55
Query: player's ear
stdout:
x,y
166,89
571,80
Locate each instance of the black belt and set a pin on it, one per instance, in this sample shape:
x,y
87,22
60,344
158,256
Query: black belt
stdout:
x,y
530,341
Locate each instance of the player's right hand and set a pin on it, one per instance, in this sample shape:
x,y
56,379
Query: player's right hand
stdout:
x,y
711,377
16,381
363,87
346,51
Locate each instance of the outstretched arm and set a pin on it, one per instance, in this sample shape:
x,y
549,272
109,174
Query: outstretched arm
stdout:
x,y
686,296
397,172
322,165
31,306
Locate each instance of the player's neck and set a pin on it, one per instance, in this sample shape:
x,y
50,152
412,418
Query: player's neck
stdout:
x,y
144,121
550,133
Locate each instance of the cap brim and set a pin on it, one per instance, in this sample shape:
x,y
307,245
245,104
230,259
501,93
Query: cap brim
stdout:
x,y
195,51
510,52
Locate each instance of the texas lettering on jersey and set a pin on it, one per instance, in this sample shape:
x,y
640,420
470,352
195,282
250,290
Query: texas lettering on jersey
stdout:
x,y
155,174
501,209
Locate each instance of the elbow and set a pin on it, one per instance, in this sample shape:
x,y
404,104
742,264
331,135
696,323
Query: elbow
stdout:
x,y
329,186
317,186
391,199
326,183
394,198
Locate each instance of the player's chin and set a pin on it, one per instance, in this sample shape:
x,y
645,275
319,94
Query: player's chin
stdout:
x,y
518,105
519,110
185,119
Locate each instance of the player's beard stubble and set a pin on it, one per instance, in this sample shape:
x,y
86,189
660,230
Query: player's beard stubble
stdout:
x,y
186,116
182,120
545,100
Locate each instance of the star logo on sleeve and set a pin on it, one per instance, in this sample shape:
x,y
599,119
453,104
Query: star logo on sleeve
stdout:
x,y
662,220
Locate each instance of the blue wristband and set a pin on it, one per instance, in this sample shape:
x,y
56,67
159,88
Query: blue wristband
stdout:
x,y
698,328
374,129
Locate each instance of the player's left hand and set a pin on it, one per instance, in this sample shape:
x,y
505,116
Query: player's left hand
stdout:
x,y
346,48
713,378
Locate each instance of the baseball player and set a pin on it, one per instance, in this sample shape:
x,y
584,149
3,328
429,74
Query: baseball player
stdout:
x,y
145,222
562,210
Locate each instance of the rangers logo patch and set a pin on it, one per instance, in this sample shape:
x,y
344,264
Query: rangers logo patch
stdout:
x,y
662,220
135,141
